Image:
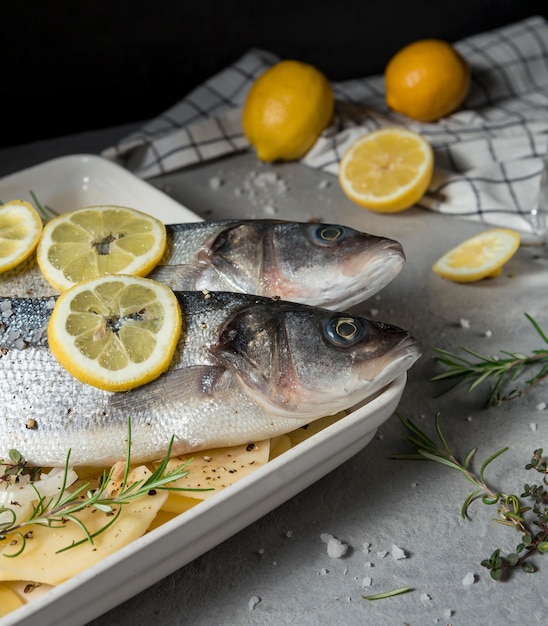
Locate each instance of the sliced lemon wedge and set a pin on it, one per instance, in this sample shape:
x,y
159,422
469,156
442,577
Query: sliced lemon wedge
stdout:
x,y
387,170
480,256
98,241
20,231
115,332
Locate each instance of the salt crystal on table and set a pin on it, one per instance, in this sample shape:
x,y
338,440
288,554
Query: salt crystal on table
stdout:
x,y
381,554
533,427
469,579
426,599
464,323
253,601
366,582
541,406
215,182
398,553
335,548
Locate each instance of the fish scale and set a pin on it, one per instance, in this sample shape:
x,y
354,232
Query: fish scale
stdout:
x,y
321,264
221,389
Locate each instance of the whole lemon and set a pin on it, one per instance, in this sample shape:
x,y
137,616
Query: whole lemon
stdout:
x,y
426,80
286,110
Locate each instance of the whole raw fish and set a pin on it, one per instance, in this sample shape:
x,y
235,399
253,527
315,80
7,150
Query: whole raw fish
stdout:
x,y
248,368
325,265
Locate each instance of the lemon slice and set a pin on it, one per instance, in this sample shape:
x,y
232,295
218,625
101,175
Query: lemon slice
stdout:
x,y
98,241
481,256
20,230
115,332
387,170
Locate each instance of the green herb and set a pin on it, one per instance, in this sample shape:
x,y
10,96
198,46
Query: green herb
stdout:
x,y
387,594
488,368
17,467
510,509
45,211
56,512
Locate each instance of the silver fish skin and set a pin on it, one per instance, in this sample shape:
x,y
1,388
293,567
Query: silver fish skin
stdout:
x,y
247,368
326,265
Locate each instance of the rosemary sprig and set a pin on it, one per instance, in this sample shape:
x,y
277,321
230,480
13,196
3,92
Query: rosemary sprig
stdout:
x,y
510,509
56,512
488,368
46,212
387,594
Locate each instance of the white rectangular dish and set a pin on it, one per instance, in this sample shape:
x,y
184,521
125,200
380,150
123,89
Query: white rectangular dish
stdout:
x,y
79,180
82,180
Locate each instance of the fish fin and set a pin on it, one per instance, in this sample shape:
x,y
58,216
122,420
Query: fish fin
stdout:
x,y
185,385
178,277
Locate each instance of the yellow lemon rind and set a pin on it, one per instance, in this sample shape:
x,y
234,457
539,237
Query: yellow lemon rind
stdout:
x,y
490,268
86,369
141,265
405,196
27,214
286,110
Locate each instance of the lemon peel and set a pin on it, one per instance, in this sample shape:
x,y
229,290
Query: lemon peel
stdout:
x,y
20,232
97,241
426,80
387,170
480,256
115,332
286,110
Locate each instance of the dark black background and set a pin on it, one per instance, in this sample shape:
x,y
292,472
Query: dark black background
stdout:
x,y
70,66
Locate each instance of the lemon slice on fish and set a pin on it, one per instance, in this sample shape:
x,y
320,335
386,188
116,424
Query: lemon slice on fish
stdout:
x,y
20,230
480,256
115,332
98,241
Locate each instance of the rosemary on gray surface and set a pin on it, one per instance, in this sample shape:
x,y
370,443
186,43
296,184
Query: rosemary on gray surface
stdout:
x,y
500,370
56,512
529,520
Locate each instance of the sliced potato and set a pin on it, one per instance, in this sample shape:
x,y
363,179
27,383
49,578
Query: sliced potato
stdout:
x,y
215,469
41,560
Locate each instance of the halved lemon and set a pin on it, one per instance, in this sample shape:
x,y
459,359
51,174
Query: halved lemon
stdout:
x,y
98,241
387,170
115,332
20,230
480,256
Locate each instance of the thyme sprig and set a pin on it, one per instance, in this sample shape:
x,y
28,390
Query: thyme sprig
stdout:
x,y
56,512
511,511
501,370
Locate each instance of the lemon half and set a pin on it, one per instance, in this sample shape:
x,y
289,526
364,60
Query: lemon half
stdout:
x,y
97,241
387,170
20,231
115,332
480,256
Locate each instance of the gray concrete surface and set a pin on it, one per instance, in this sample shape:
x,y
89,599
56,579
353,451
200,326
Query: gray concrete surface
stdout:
x,y
277,571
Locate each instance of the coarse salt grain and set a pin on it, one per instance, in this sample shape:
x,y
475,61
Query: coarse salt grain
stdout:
x,y
335,548
426,599
469,579
398,553
253,601
464,323
366,582
541,406
533,427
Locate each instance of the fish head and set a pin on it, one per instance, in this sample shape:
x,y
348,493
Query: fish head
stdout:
x,y
331,265
302,361
325,265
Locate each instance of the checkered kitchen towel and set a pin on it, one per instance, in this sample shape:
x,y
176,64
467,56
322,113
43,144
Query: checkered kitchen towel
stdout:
x,y
489,156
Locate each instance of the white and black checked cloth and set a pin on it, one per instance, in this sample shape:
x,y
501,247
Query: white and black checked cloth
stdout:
x,y
489,156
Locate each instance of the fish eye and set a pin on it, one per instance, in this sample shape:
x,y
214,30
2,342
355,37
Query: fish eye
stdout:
x,y
327,234
344,330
